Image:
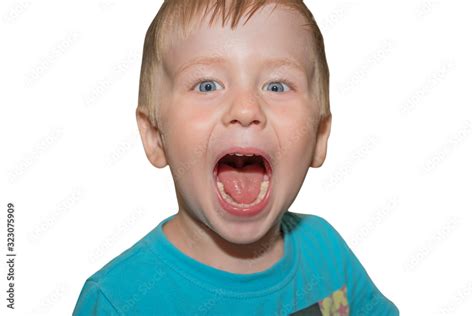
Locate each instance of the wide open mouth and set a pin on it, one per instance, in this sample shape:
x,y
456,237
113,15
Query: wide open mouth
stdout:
x,y
243,180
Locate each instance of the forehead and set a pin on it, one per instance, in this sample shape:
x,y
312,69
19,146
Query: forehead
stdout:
x,y
275,35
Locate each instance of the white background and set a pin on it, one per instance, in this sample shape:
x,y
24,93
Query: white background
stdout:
x,y
397,182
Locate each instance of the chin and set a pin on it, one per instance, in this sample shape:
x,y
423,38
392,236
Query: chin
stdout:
x,y
241,232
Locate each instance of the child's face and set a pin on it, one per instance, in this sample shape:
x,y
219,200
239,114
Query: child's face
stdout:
x,y
248,96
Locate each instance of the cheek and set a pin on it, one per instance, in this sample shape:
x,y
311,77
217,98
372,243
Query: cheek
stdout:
x,y
296,135
189,123
187,138
297,145
294,122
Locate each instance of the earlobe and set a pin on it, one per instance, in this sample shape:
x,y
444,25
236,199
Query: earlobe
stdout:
x,y
151,139
322,136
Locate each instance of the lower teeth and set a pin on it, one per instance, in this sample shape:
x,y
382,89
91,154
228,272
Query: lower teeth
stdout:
x,y
230,200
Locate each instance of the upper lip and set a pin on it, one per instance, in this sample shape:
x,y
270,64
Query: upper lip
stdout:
x,y
245,150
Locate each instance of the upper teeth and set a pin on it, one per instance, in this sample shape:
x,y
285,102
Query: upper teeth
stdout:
x,y
239,154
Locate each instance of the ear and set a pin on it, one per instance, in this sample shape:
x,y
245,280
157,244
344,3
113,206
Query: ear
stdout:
x,y
322,136
151,139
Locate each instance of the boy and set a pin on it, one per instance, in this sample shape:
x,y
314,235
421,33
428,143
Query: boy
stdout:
x,y
239,110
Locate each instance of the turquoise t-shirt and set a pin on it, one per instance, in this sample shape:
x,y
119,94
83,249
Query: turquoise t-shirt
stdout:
x,y
317,275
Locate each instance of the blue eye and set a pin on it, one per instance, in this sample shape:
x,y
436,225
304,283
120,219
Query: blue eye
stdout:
x,y
208,86
277,87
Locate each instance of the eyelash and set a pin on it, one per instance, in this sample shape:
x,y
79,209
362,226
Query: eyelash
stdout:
x,y
285,81
199,81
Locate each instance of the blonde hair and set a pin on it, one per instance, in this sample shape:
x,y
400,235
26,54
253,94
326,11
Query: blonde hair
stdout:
x,y
173,20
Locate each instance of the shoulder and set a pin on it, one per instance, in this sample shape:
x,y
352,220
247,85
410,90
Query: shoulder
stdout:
x,y
123,265
318,229
93,301
117,282
308,220
321,243
319,246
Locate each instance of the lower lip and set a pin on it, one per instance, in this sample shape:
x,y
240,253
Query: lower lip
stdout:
x,y
243,212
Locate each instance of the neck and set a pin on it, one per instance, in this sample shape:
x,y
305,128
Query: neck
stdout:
x,y
201,243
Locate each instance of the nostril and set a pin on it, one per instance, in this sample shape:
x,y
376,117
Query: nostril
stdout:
x,y
256,122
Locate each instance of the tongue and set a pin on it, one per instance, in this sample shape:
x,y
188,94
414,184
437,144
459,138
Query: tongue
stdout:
x,y
242,184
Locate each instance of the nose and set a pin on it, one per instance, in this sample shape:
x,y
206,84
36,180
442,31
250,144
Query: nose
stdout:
x,y
245,110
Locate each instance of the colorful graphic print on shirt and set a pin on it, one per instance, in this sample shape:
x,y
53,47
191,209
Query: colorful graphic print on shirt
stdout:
x,y
335,304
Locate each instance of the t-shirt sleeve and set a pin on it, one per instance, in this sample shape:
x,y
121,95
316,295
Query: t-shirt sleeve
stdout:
x,y
363,295
92,301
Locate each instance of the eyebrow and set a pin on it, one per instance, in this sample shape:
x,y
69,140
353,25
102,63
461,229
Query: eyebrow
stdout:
x,y
281,62
200,61
272,62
